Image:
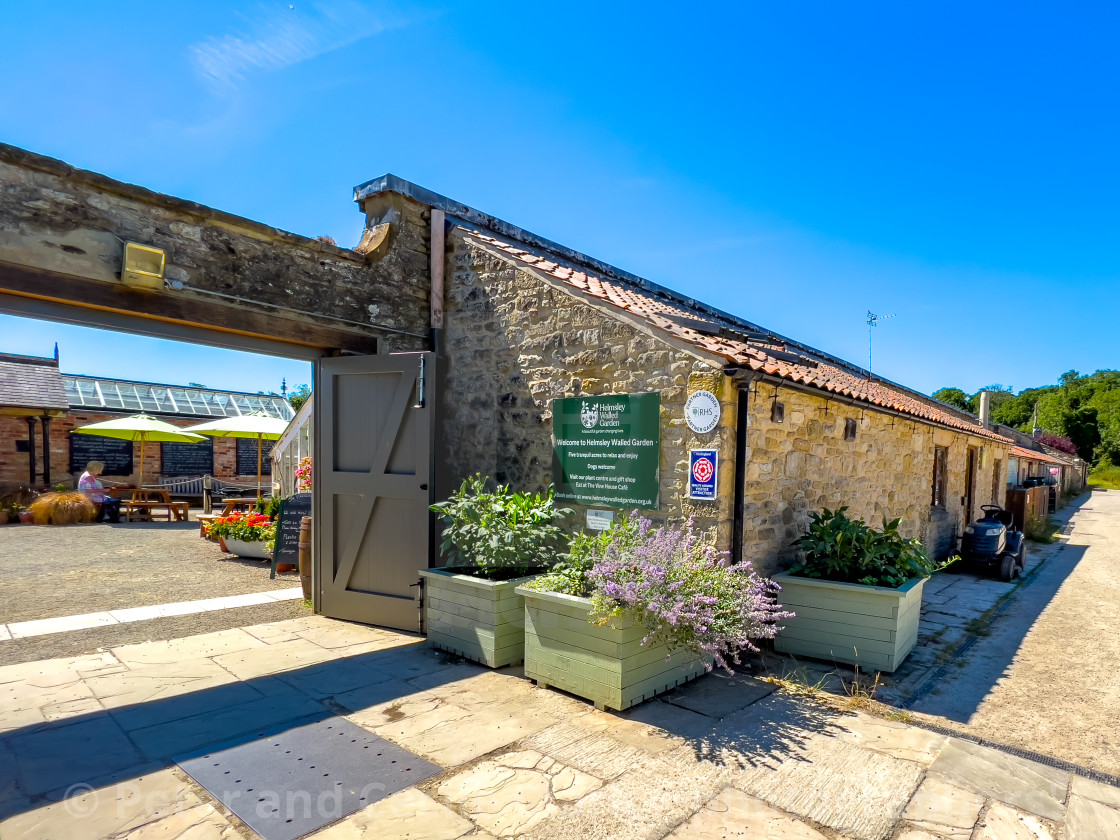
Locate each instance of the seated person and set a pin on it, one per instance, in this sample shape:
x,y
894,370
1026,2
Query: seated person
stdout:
x,y
108,508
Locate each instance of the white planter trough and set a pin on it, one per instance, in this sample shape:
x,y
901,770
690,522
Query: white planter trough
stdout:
x,y
241,548
478,619
870,626
604,664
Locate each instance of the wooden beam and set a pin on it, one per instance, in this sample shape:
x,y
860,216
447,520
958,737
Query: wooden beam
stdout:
x,y
178,309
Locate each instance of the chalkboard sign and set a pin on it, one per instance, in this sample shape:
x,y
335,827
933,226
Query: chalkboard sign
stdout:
x,y
114,453
187,458
247,456
287,532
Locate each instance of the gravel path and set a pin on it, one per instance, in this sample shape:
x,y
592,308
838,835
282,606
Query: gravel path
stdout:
x,y
1046,678
69,570
53,571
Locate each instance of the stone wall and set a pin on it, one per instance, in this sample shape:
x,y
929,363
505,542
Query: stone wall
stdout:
x,y
515,342
71,222
14,465
803,464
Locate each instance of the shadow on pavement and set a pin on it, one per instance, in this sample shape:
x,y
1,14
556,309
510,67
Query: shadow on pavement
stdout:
x,y
50,761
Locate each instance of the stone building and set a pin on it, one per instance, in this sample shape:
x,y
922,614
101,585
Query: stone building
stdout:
x,y
38,449
527,322
515,323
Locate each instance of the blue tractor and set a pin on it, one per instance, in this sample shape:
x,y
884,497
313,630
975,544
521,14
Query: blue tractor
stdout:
x,y
994,542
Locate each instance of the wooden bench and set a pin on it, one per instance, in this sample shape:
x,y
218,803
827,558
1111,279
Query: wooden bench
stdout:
x,y
147,505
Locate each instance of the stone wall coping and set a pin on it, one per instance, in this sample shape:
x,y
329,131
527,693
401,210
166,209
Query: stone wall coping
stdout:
x,y
52,166
862,588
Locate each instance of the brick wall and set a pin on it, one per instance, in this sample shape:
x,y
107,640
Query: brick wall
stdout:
x,y
14,465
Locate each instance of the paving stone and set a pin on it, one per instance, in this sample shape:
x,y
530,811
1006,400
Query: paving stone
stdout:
x,y
917,834
653,797
855,791
890,737
203,822
156,682
47,672
71,708
343,634
14,719
717,695
944,809
408,815
735,814
68,753
1089,819
1002,822
106,812
330,678
384,702
593,752
273,658
176,737
16,696
1090,789
672,724
1015,781
202,646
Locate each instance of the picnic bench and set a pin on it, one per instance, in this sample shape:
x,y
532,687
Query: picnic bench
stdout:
x,y
148,505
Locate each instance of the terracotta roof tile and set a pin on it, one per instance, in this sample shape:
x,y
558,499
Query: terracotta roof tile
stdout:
x,y
821,373
1032,455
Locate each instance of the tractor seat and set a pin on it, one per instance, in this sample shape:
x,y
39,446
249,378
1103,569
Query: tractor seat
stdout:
x,y
1004,517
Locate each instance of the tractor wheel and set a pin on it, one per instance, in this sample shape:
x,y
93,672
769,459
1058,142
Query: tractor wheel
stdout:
x,y
1022,558
1008,569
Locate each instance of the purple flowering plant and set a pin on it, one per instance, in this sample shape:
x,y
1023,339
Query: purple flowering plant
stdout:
x,y
672,580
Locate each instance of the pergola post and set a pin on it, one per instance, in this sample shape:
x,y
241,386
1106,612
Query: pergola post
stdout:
x,y
31,421
46,449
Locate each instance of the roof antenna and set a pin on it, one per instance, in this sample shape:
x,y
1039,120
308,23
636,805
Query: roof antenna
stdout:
x,y
56,352
872,321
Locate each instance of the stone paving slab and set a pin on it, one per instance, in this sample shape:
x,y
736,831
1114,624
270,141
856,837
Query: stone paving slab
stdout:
x,y
726,756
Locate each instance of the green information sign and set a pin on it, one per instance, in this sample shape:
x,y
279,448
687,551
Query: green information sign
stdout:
x,y
607,450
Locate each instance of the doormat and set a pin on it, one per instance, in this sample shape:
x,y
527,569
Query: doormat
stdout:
x,y
292,780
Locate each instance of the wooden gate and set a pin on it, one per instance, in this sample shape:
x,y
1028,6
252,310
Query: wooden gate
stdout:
x,y
372,474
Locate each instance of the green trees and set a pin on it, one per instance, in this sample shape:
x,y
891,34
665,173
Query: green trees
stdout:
x,y
1083,408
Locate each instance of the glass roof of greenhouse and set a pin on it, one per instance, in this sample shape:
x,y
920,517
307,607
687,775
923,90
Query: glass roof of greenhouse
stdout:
x,y
131,397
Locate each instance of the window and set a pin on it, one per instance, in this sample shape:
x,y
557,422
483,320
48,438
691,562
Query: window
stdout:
x,y
940,462
849,429
997,484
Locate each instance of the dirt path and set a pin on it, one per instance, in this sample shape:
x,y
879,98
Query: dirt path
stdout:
x,y
1047,676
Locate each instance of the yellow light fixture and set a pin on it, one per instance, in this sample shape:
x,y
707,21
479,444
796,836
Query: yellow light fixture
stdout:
x,y
143,266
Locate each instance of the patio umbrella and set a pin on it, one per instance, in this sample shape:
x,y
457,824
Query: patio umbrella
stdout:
x,y
256,425
139,427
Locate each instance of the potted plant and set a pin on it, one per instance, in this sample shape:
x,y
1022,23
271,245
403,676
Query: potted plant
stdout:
x,y
245,534
857,592
637,610
493,542
24,514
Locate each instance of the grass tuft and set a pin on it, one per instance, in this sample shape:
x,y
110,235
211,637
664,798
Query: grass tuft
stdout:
x,y
1041,529
69,508
1105,477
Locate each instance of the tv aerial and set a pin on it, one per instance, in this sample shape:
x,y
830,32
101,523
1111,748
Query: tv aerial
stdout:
x,y
872,321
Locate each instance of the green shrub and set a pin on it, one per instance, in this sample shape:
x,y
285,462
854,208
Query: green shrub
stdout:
x,y
1105,476
848,550
1041,529
569,575
500,533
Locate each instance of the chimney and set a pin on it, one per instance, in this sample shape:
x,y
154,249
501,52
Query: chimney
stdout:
x,y
985,409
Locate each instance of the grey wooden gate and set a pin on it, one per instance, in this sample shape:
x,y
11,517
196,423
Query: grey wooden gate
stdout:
x,y
372,474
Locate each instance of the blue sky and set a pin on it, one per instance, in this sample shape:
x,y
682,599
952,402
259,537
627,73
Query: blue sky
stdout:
x,y
952,164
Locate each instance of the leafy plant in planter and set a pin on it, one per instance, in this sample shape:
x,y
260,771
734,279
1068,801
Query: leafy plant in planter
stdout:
x,y
493,540
500,534
247,527
840,548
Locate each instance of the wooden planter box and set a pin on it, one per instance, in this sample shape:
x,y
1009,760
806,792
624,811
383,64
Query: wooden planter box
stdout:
x,y
606,665
478,619
870,626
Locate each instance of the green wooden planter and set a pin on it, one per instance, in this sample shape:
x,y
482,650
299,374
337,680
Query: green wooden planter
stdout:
x,y
606,665
478,619
870,626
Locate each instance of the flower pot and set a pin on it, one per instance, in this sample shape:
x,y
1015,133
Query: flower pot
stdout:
x,y
873,627
3,517
246,549
25,517
304,555
478,619
608,664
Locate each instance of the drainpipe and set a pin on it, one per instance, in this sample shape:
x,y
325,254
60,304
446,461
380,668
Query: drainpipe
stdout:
x,y
31,421
438,258
46,449
740,475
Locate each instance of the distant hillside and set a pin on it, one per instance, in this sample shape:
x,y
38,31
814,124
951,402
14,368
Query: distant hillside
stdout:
x,y
1083,409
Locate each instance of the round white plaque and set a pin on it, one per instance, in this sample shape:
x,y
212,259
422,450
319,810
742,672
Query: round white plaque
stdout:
x,y
701,412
